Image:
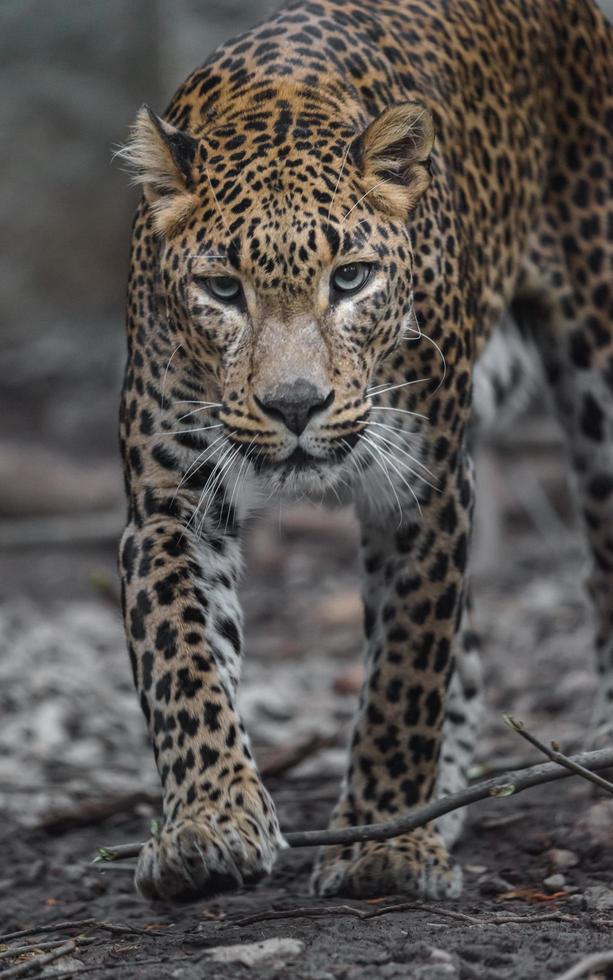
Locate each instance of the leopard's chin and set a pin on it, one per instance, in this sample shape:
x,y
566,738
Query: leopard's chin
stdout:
x,y
302,476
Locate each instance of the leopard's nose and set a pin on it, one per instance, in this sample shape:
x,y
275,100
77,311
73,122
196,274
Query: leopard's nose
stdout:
x,y
295,404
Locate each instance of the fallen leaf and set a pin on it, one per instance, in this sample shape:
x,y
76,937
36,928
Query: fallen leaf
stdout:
x,y
120,949
205,913
530,894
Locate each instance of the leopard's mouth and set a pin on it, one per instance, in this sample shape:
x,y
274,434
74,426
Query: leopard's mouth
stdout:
x,y
299,459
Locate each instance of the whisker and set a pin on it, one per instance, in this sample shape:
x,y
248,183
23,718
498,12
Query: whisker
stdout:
x,y
417,462
178,432
403,411
226,450
386,453
194,411
340,174
372,392
224,222
178,347
358,464
241,472
224,465
196,465
421,334
359,201
210,488
400,434
381,463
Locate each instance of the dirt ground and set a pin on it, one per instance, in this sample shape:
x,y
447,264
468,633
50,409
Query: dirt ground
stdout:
x,y
72,740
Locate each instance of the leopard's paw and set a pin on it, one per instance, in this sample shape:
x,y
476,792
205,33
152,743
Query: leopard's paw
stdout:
x,y
416,864
206,853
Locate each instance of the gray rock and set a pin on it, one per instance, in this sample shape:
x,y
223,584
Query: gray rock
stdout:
x,y
554,883
561,859
599,898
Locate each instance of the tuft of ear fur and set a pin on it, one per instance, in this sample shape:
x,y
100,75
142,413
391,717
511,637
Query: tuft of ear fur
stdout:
x,y
160,158
393,154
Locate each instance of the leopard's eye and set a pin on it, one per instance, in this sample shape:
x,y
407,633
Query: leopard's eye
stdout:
x,y
351,278
225,288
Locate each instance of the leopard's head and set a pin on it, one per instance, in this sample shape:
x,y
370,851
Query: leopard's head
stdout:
x,y
285,266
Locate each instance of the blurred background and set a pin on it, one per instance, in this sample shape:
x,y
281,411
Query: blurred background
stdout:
x,y
72,77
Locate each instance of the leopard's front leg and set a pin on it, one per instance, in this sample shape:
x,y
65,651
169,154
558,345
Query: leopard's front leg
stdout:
x,y
184,631
414,604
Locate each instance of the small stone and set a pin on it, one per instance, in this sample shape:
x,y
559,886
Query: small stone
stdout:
x,y
599,898
560,859
494,885
596,824
278,950
577,900
554,883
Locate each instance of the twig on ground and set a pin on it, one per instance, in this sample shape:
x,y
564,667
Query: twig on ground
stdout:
x,y
585,966
509,784
124,930
117,852
7,954
39,962
487,769
306,911
81,924
312,912
49,927
553,752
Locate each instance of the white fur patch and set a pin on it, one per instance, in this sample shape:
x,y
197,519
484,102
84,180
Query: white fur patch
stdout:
x,y
505,377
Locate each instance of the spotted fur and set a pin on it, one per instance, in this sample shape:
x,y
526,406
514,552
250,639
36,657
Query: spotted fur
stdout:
x,y
458,153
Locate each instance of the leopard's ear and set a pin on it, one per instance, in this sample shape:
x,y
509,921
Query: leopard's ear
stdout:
x,y
393,154
161,159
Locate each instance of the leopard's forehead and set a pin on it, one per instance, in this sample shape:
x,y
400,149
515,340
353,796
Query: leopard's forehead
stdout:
x,y
281,146
280,203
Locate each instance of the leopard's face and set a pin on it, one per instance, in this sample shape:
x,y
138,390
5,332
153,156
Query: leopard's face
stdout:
x,y
290,323
287,284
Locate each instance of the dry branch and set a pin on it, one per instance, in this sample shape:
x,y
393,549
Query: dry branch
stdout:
x,y
553,752
49,927
313,912
509,784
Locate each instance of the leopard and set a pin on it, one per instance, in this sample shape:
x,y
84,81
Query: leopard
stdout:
x,y
363,226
